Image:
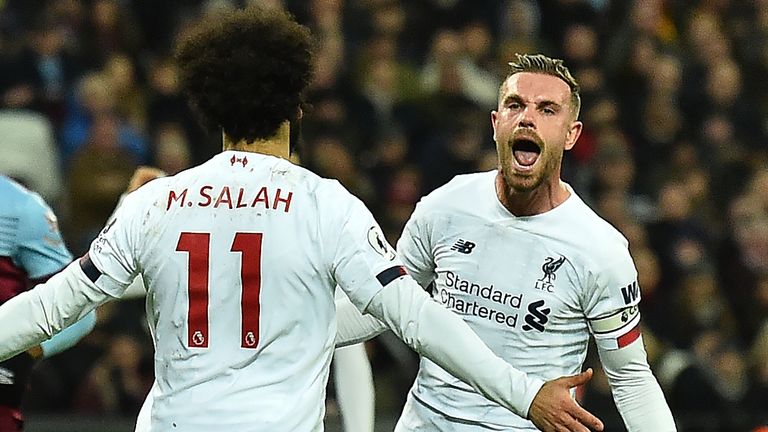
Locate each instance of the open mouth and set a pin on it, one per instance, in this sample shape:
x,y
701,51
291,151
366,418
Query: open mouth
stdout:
x,y
526,151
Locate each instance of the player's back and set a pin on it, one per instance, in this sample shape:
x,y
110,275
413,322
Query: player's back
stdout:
x,y
240,297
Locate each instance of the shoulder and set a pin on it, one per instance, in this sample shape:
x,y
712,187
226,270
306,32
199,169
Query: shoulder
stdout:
x,y
20,202
595,226
607,244
152,191
327,192
460,193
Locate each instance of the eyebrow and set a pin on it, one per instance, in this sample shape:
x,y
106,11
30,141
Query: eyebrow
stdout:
x,y
541,104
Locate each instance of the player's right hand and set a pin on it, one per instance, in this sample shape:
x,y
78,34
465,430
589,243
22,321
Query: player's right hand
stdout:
x,y
553,409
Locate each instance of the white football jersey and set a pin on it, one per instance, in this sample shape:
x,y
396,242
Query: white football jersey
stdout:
x,y
533,288
240,257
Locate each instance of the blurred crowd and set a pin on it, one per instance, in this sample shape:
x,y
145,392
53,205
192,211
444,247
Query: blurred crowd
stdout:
x,y
674,153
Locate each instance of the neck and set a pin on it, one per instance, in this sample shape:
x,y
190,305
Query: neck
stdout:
x,y
543,198
277,145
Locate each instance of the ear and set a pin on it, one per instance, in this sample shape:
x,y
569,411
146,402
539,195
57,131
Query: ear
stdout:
x,y
494,118
573,135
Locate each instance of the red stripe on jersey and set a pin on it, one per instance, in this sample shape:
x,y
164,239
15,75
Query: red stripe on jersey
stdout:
x,y
629,337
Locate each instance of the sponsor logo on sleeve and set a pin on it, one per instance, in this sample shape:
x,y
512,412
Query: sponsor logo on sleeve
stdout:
x,y
109,226
101,241
631,293
379,243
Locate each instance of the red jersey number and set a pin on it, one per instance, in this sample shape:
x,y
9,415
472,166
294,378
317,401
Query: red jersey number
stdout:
x,y
197,246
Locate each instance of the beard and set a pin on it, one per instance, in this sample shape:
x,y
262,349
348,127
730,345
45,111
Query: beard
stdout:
x,y
522,183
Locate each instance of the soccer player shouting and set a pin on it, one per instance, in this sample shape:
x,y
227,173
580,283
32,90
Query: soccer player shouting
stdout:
x,y
533,270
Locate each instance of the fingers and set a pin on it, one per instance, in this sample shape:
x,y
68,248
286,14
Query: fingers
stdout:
x,y
572,425
585,417
567,421
580,379
553,409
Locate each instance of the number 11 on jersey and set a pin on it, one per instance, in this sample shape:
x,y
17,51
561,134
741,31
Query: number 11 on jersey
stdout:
x,y
197,246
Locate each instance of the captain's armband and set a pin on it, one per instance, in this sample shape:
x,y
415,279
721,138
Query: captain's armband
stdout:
x,y
618,329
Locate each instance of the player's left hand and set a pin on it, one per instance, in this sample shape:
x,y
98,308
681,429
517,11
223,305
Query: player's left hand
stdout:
x,y
553,409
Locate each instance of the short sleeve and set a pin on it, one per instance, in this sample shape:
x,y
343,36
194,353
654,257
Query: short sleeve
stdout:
x,y
361,261
415,249
611,303
113,252
42,251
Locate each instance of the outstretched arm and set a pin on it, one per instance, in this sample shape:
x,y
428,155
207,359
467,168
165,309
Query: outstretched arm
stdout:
x,y
69,336
423,325
36,315
635,390
353,326
366,267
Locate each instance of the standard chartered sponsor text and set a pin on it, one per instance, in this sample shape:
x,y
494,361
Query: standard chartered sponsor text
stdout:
x,y
459,303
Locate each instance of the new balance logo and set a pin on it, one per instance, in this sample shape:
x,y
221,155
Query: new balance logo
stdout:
x,y
463,246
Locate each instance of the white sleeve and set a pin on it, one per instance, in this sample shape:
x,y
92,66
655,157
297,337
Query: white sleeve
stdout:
x,y
354,388
360,260
611,301
414,248
352,326
636,392
114,252
136,289
443,337
36,315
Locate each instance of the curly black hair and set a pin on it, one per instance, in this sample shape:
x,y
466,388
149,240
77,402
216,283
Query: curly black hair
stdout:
x,y
245,71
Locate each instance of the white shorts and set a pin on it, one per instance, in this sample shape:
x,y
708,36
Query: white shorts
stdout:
x,y
418,417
